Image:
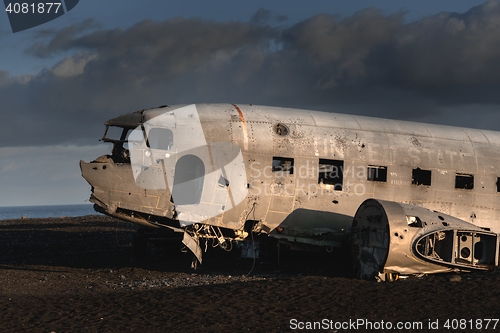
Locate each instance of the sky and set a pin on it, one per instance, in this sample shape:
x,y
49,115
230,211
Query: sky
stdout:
x,y
429,61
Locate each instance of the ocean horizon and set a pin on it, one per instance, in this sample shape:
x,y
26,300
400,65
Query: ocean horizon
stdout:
x,y
17,212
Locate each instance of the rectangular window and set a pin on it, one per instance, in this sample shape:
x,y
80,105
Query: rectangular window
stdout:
x,y
377,173
421,177
284,164
114,133
498,184
464,181
331,172
160,138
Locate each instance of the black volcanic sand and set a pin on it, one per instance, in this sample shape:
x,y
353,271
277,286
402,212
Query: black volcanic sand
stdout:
x,y
77,275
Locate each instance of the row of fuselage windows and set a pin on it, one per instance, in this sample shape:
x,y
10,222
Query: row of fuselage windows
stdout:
x,y
331,172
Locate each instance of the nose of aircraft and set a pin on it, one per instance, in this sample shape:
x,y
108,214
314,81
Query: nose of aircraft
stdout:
x,y
115,190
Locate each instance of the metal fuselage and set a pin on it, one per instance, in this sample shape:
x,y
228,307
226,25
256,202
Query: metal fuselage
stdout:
x,y
306,172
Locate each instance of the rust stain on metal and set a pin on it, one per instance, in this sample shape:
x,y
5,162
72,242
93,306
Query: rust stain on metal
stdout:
x,y
243,126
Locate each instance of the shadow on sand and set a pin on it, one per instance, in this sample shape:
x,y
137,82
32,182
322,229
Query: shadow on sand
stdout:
x,y
101,242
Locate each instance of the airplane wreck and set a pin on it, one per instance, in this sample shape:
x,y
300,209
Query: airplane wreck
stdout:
x,y
407,198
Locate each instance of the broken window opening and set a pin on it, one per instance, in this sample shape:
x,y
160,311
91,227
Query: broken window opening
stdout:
x,y
160,138
281,129
377,173
117,135
119,154
421,177
498,184
284,164
464,181
114,134
414,221
223,182
331,172
478,250
437,246
134,138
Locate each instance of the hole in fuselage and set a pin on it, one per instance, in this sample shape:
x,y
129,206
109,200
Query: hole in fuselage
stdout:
x,y
478,250
465,252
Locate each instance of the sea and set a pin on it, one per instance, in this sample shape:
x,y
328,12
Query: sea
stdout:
x,y
17,212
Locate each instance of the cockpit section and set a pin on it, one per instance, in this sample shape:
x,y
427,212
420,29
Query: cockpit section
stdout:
x,y
118,137
390,238
163,165
116,191
125,138
467,249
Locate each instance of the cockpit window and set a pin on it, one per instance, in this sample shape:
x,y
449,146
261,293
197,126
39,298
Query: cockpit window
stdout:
x,y
160,138
134,138
114,133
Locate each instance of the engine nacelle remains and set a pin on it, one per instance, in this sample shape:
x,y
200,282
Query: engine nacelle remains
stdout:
x,y
390,238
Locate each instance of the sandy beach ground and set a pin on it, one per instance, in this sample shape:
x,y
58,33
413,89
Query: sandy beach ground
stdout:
x,y
78,275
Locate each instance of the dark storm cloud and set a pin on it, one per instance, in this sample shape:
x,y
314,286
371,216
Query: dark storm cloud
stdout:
x,y
172,46
59,40
442,50
448,58
368,63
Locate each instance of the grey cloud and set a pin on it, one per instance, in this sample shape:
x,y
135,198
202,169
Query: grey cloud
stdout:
x,y
447,49
367,64
119,71
59,40
451,49
343,48
3,77
174,45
